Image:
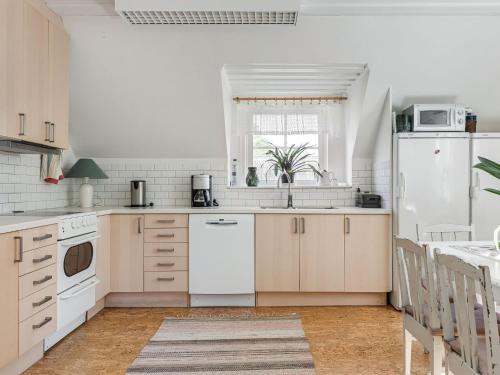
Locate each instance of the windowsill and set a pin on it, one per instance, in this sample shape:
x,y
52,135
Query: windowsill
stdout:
x,y
284,186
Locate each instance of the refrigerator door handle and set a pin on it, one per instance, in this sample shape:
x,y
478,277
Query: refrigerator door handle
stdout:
x,y
476,185
402,186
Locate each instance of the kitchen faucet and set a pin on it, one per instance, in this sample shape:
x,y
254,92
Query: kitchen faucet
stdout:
x,y
290,197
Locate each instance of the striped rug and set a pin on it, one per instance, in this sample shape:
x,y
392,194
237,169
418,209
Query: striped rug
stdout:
x,y
227,345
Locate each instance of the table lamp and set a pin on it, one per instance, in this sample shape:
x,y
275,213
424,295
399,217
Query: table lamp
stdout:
x,y
86,169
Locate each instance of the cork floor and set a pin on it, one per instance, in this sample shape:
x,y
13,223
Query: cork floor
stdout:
x,y
343,340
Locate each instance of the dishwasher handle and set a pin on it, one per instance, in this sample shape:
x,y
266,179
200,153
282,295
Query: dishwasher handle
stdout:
x,y
222,222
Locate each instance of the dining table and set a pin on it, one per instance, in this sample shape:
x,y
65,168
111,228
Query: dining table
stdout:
x,y
481,253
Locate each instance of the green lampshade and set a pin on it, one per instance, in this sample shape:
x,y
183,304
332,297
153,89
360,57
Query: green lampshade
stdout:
x,y
86,168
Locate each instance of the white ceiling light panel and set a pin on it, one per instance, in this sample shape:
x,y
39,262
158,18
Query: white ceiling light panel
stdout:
x,y
208,12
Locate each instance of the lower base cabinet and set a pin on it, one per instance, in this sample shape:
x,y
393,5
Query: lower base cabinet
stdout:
x,y
323,253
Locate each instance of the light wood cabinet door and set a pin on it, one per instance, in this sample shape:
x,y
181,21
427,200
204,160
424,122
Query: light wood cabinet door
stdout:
x,y
11,68
36,75
277,253
127,253
367,253
59,86
321,253
103,261
9,313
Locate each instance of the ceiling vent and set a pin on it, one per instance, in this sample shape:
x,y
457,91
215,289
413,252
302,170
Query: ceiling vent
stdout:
x,y
208,12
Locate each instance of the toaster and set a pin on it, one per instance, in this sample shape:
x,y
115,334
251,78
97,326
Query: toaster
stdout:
x,y
367,200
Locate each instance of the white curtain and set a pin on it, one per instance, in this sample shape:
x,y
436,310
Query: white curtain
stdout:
x,y
294,119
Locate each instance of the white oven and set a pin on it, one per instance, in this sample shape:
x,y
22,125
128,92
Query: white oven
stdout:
x,y
76,273
436,117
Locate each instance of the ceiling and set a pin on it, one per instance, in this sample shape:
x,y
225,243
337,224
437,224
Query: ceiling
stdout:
x,y
318,7
292,80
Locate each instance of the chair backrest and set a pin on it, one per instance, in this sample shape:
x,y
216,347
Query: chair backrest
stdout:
x,y
445,232
465,281
417,281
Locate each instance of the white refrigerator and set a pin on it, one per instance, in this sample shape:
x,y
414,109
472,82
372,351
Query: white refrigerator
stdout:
x,y
485,206
431,175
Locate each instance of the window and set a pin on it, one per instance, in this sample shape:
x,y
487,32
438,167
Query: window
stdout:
x,y
284,128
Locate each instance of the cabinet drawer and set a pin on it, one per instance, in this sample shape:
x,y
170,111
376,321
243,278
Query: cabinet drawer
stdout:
x,y
164,250
36,302
176,281
166,264
166,235
36,328
165,221
35,259
39,237
38,280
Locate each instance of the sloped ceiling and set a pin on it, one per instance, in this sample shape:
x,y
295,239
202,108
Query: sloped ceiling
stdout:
x,y
140,91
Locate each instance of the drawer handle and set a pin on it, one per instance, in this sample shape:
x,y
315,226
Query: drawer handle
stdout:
x,y
165,278
165,264
19,253
40,325
44,280
166,235
43,301
44,237
165,250
42,259
166,221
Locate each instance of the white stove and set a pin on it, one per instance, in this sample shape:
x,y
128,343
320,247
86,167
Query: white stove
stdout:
x,y
76,272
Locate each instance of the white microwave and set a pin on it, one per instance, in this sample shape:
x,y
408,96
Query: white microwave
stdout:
x,y
435,117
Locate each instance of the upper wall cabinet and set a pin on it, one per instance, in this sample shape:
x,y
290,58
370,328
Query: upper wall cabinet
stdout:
x,y
34,53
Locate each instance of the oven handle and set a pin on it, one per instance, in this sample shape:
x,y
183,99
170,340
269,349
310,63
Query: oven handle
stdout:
x,y
80,241
84,289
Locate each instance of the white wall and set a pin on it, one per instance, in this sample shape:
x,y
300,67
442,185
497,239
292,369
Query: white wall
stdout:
x,y
155,91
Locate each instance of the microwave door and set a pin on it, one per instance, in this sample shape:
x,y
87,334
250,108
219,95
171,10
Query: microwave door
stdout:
x,y
434,118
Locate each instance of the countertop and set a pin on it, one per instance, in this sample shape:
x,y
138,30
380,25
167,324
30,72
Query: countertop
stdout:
x,y
11,223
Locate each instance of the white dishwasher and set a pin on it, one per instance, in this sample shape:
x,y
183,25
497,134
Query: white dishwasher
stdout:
x,y
221,260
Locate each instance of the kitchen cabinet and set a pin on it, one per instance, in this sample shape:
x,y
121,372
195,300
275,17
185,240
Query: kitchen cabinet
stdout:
x,y
367,253
321,253
103,261
34,56
127,253
9,315
277,254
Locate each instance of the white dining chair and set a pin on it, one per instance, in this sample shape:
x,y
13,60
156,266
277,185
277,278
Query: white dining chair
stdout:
x,y
468,352
445,232
419,304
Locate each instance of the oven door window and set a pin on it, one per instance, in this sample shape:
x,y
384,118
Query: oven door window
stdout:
x,y
78,258
433,118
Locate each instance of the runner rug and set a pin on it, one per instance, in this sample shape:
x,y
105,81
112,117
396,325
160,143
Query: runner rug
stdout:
x,y
227,345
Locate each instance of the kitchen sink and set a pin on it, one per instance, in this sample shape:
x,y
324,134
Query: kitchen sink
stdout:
x,y
298,208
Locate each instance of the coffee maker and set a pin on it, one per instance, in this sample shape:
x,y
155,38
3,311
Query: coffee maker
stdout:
x,y
201,190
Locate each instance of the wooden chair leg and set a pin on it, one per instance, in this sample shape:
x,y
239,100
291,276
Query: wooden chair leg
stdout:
x,y
437,356
407,352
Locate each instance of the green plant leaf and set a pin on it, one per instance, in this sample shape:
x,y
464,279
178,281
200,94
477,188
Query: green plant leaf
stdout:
x,y
494,191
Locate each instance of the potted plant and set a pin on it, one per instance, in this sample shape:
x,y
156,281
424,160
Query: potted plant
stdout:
x,y
493,169
292,161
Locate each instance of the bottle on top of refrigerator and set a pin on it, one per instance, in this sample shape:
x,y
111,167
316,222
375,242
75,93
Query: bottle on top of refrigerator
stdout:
x,y
234,172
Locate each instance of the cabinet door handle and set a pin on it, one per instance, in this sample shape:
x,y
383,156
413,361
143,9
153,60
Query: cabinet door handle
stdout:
x,y
166,221
19,249
171,235
347,225
302,225
165,250
52,132
139,225
44,280
43,237
47,131
43,301
165,278
42,259
295,223
40,325
171,264
22,122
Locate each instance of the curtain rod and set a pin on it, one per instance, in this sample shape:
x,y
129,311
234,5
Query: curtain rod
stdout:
x,y
238,99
